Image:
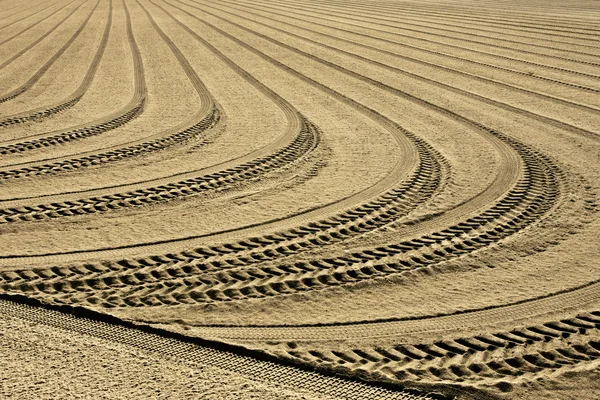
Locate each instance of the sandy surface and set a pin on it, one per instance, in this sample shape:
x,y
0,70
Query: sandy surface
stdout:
x,y
48,363
395,190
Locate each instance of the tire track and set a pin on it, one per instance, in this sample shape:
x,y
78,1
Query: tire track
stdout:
x,y
548,98
304,134
419,327
30,15
475,21
554,345
213,282
132,110
525,200
8,39
399,171
70,101
205,118
510,70
252,364
479,15
522,198
45,35
331,6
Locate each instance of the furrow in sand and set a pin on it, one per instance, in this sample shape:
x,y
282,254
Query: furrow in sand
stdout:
x,y
8,39
502,31
45,34
303,134
529,204
27,16
207,115
527,201
435,49
514,23
401,169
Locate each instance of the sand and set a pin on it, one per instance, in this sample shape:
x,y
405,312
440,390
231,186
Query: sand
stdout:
x,y
403,192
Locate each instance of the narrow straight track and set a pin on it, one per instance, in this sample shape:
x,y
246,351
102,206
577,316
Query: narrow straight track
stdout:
x,y
223,357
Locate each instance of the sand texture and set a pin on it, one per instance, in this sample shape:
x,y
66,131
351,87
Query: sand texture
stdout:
x,y
306,194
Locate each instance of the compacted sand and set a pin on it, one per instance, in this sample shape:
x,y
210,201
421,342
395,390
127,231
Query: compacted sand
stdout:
x,y
403,192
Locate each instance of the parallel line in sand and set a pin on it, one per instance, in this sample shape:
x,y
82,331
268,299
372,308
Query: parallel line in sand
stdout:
x,y
363,19
302,131
68,102
536,76
509,158
500,213
391,179
27,16
542,118
530,210
40,72
331,6
206,117
479,14
465,19
428,40
8,39
46,34
128,113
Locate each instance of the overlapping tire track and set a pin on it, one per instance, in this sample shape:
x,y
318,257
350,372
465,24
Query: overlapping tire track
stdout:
x,y
530,198
132,110
421,184
526,200
262,264
227,280
71,100
553,345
